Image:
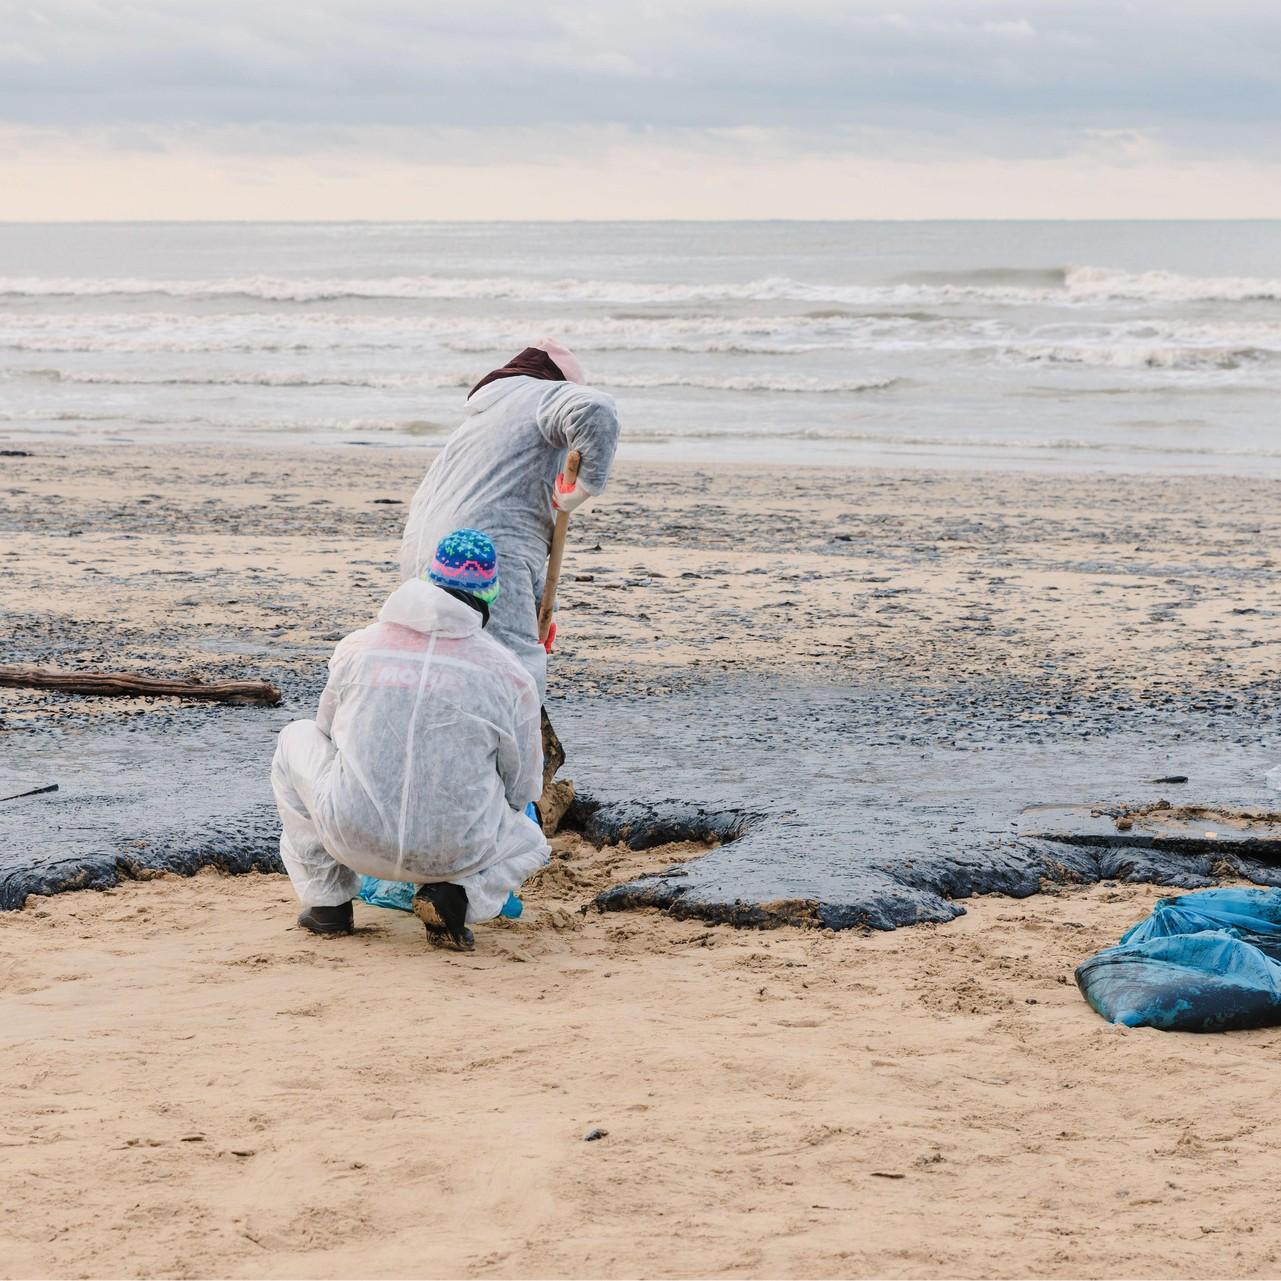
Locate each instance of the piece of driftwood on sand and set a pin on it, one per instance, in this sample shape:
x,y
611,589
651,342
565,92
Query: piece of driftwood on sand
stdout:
x,y
127,685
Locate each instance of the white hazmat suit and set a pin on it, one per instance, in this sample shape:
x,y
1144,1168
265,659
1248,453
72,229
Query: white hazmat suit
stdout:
x,y
424,753
496,473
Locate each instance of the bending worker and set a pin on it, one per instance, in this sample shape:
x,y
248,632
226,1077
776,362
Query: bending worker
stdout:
x,y
500,472
423,755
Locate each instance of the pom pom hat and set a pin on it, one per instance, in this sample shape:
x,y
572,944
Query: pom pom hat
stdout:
x,y
466,561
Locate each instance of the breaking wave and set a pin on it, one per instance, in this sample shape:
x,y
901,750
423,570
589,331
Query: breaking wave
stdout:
x,y
751,383
1002,278
250,379
700,334
250,423
1075,284
437,288
1169,286
1122,356
440,382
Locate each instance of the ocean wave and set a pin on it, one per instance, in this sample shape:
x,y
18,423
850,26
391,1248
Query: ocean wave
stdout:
x,y
1073,284
91,416
1123,356
1031,278
445,381
1083,283
702,334
249,379
752,383
433,288
1065,444
252,423
686,346
1080,284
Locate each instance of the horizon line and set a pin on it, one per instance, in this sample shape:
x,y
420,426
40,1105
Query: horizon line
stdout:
x,y
532,222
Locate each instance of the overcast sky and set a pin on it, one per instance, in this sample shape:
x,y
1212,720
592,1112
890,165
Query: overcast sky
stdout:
x,y
639,108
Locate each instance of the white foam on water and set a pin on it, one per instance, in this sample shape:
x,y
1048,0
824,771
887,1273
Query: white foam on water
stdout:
x,y
878,338
1073,284
1089,283
1132,356
442,381
162,332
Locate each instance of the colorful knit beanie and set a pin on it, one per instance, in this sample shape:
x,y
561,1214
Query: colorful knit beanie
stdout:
x,y
466,561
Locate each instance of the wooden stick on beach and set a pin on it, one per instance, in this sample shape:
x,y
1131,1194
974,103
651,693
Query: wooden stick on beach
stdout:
x,y
35,791
557,553
126,685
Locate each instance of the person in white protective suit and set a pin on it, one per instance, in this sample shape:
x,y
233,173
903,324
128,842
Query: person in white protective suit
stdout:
x,y
502,471
423,755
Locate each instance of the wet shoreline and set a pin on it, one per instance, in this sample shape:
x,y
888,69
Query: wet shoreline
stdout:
x,y
866,687
829,810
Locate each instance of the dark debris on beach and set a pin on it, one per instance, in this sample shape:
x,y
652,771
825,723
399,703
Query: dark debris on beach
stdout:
x,y
875,706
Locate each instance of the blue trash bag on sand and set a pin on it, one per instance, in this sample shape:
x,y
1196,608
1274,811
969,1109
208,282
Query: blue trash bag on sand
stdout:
x,y
1256,912
399,895
1204,962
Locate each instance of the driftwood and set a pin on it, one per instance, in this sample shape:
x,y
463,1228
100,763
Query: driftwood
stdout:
x,y
35,791
126,685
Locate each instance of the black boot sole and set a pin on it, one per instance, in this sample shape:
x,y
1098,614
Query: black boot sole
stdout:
x,y
442,908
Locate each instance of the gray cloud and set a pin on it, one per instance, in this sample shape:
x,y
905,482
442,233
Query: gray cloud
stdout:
x,y
1005,77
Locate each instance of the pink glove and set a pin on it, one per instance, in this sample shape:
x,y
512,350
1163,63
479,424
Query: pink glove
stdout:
x,y
566,497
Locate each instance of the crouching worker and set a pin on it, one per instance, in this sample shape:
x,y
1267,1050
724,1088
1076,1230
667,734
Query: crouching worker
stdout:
x,y
423,755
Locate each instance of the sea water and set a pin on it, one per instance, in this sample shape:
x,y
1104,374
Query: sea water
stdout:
x,y
1118,345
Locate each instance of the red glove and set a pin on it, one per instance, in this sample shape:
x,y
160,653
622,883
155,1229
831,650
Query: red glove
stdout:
x,y
551,638
566,497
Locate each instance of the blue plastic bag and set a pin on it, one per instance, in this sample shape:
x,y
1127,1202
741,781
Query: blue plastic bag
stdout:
x,y
1204,962
399,895
1253,912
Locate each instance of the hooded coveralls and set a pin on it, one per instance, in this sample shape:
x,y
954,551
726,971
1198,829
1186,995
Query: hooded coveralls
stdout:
x,y
424,753
496,473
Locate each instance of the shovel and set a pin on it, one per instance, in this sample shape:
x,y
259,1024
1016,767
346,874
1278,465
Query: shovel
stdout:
x,y
547,628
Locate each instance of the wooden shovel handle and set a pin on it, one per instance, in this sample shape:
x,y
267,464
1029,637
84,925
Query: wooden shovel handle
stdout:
x,y
557,553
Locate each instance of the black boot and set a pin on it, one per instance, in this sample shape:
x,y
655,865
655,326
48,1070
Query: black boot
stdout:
x,y
329,920
442,908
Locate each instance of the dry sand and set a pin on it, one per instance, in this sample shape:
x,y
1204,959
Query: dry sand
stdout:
x,y
194,1087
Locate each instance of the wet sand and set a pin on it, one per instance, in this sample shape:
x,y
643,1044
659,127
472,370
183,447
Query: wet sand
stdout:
x,y
409,1112
1139,591
884,668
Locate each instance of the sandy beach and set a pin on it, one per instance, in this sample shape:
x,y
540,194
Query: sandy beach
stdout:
x,y
900,382
1154,587
196,1088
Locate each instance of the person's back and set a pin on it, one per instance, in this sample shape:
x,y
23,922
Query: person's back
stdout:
x,y
424,754
424,707
497,472
499,467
